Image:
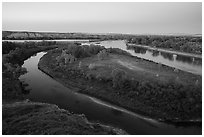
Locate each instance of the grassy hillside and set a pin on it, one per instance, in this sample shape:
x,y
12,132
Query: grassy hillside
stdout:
x,y
31,118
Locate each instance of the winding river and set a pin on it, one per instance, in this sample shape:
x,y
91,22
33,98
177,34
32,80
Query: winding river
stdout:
x,y
187,62
45,89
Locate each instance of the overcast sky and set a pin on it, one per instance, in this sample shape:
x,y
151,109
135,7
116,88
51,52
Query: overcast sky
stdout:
x,y
134,18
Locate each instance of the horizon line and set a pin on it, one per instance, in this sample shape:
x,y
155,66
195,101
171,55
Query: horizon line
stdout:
x,y
182,34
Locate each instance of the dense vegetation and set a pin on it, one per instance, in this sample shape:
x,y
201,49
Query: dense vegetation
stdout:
x,y
177,43
190,44
25,117
172,100
31,118
13,57
8,46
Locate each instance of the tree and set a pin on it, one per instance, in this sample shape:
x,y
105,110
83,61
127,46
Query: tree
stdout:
x,y
102,54
65,58
118,78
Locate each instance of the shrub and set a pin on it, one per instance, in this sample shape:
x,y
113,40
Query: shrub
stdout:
x,y
118,78
95,49
65,58
118,51
79,51
7,47
102,54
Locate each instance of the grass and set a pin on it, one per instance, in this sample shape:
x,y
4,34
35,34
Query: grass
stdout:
x,y
31,118
150,89
24,118
137,69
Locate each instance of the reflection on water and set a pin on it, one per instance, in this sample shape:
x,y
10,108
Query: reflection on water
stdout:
x,y
185,63
45,89
166,55
169,56
155,53
197,61
139,50
184,59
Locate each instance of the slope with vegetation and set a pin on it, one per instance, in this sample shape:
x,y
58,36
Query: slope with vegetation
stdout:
x,y
13,57
114,75
33,118
24,117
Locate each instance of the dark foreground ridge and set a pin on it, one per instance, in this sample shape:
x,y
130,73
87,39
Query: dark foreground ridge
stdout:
x,y
32,118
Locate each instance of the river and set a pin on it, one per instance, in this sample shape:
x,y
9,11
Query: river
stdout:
x,y
183,62
45,89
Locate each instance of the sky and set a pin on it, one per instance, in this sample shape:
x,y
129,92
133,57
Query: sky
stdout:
x,y
120,17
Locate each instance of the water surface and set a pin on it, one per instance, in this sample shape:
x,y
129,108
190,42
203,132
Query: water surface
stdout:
x,y
185,63
45,89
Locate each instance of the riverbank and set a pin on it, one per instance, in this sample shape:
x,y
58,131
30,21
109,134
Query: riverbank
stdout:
x,y
33,118
182,43
160,92
12,88
131,46
25,117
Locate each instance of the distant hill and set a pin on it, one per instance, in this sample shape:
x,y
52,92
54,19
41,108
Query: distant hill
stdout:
x,y
24,35
21,35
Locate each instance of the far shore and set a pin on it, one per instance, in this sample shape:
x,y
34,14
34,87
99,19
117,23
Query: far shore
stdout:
x,y
167,50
